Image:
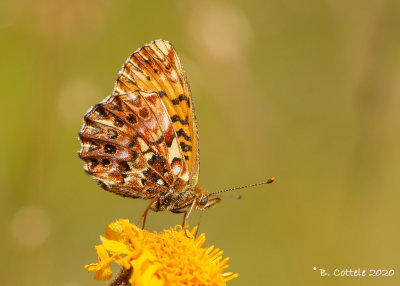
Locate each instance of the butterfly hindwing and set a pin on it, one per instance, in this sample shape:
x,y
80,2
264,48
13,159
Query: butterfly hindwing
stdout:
x,y
130,146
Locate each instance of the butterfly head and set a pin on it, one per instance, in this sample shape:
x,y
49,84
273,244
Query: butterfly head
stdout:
x,y
205,200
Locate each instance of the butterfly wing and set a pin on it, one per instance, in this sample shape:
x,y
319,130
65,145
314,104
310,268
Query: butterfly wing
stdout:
x,y
157,68
130,147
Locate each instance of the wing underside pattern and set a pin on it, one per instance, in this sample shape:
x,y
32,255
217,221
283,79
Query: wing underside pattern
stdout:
x,y
142,140
156,67
130,146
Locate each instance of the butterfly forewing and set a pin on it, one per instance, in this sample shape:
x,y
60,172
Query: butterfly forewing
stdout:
x,y
156,67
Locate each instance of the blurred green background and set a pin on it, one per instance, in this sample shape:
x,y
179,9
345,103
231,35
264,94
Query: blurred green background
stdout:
x,y
307,91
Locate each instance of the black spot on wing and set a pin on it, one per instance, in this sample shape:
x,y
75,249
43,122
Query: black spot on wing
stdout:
x,y
135,155
125,166
115,107
161,139
110,149
105,162
133,142
169,142
157,159
118,123
94,163
181,98
116,104
124,176
185,147
151,175
162,94
176,118
100,110
147,151
182,133
132,118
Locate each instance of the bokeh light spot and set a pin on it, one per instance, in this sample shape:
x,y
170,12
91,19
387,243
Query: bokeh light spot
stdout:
x,y
31,226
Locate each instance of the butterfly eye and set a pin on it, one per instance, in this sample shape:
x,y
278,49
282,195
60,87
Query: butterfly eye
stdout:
x,y
203,200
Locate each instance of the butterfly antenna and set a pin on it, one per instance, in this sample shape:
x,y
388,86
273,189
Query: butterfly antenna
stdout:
x,y
269,181
236,197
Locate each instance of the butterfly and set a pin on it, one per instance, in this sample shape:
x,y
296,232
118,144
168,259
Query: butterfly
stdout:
x,y
142,141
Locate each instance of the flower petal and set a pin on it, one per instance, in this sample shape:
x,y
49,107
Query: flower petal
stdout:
x,y
115,246
102,267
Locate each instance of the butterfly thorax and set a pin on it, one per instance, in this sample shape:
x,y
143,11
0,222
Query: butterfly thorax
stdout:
x,y
179,201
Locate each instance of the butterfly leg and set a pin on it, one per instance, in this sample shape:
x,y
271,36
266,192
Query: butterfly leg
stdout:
x,y
186,217
144,215
144,219
198,223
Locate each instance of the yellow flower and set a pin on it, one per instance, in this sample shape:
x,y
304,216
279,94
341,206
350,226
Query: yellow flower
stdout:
x,y
167,258
102,267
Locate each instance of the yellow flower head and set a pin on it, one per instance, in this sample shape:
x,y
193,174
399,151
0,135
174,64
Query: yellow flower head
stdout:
x,y
167,258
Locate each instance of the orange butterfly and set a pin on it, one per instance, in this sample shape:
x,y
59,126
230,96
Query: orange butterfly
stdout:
x,y
142,141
